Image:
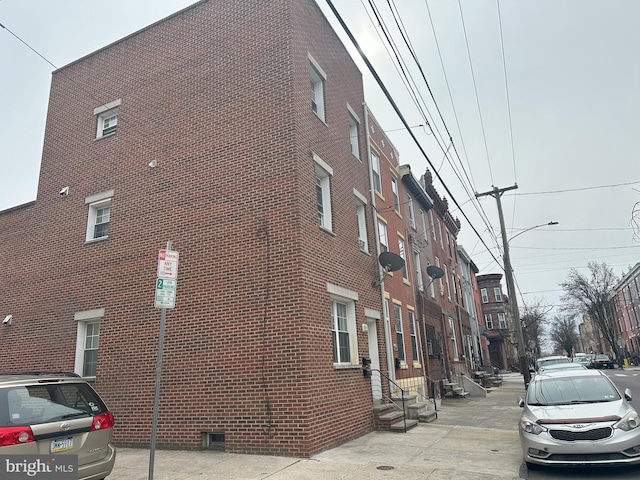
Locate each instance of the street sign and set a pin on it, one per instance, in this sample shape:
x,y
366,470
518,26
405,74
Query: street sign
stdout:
x,y
168,264
165,293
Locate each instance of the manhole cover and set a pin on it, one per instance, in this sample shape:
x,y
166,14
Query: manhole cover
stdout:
x,y
385,467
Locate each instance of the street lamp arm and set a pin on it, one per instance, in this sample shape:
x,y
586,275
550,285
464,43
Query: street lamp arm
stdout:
x,y
531,228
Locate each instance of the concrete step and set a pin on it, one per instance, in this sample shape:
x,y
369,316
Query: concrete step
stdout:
x,y
415,409
400,426
428,417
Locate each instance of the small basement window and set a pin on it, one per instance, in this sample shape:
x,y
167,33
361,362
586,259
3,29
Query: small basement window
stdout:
x,y
213,441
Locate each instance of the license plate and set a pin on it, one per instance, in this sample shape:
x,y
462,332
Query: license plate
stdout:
x,y
61,445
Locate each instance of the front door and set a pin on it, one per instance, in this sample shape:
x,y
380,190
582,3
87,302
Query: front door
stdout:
x,y
376,384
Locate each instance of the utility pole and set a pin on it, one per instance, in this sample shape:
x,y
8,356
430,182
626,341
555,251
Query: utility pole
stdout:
x,y
524,366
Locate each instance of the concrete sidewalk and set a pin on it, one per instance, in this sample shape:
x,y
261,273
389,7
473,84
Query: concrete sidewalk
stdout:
x,y
472,439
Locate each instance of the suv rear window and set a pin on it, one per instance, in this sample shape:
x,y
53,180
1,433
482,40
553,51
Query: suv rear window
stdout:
x,y
48,402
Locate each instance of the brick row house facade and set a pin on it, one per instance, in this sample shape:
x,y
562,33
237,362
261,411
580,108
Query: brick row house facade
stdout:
x,y
250,147
626,312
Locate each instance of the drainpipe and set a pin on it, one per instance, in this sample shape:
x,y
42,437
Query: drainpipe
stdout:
x,y
385,319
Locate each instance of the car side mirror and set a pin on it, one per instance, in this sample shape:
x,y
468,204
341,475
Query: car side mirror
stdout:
x,y
521,402
627,394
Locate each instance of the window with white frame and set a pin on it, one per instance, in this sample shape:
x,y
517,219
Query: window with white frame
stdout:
x,y
107,118
403,255
488,321
394,190
440,279
440,233
432,288
87,339
498,294
502,321
361,218
323,192
384,239
433,226
418,269
446,278
375,168
344,337
397,316
99,215
414,340
424,226
318,77
454,341
484,295
354,137
412,217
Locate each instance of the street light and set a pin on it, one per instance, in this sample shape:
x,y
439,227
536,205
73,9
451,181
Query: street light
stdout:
x,y
531,228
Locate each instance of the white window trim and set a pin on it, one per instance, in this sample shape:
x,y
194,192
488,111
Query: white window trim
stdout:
x,y
103,112
375,167
348,297
412,216
395,192
397,321
361,215
498,294
318,77
502,320
488,321
415,355
95,202
484,295
324,173
433,225
354,132
454,340
418,269
83,318
402,251
383,234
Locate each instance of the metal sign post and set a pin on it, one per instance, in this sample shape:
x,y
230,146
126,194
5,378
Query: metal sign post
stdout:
x,y
165,297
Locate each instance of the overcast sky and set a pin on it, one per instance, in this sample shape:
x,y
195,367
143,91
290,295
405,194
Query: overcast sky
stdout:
x,y
542,93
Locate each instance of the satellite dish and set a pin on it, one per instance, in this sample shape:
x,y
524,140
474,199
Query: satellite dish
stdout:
x,y
390,261
435,272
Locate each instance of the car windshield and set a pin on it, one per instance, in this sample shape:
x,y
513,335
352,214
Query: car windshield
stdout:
x,y
571,390
602,357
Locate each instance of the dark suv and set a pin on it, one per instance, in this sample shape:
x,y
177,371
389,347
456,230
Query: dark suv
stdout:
x,y
56,414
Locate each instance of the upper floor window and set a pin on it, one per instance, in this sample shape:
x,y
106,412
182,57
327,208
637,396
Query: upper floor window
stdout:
x,y
107,118
424,225
99,215
484,295
396,198
384,239
502,321
354,137
323,192
403,255
446,277
412,331
488,321
440,233
375,167
318,78
440,279
412,217
361,218
433,226
397,315
498,294
418,269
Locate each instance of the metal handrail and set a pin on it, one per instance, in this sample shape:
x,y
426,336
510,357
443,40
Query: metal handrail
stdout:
x,y
404,408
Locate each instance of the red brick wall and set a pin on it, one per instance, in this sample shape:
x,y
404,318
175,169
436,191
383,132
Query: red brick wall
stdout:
x,y
218,95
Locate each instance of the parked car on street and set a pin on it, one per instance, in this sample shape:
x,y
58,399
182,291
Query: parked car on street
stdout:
x,y
56,414
561,366
575,418
602,361
551,360
585,360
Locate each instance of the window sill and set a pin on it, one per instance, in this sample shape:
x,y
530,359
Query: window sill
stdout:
x,y
346,366
326,230
319,118
104,136
417,365
96,240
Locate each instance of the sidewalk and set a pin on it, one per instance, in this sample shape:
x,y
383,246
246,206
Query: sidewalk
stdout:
x,y
472,439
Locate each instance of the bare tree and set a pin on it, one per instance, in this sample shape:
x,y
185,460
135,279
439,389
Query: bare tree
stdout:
x,y
563,333
534,320
592,295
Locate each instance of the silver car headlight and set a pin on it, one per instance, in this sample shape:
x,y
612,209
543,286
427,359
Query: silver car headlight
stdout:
x,y
629,421
531,427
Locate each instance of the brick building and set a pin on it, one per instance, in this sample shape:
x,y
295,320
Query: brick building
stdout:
x,y
199,129
498,321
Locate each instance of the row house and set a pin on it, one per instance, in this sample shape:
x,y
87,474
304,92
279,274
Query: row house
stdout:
x,y
236,130
626,311
498,322
479,349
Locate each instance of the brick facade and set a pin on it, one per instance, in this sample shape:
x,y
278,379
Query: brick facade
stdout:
x,y
217,96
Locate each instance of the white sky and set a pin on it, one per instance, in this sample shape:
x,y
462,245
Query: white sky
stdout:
x,y
561,117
